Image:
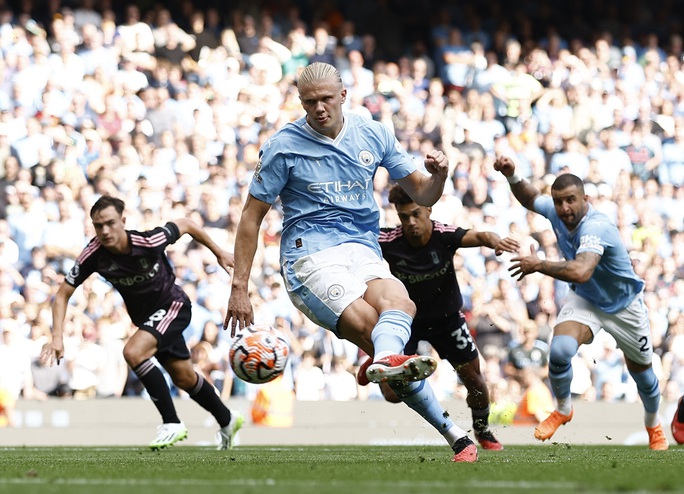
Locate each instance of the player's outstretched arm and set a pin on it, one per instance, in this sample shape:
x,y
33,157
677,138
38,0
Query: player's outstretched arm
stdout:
x,y
53,351
500,245
523,191
186,225
578,270
426,190
240,311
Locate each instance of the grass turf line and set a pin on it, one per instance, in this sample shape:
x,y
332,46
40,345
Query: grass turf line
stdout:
x,y
556,468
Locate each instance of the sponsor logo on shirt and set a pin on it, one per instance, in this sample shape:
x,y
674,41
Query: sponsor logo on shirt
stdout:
x,y
417,278
342,190
138,278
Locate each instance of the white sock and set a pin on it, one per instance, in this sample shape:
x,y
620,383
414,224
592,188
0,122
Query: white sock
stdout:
x,y
453,434
651,419
380,355
565,405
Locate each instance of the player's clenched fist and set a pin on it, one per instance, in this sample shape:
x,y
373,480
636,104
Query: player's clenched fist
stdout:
x,y
505,165
436,163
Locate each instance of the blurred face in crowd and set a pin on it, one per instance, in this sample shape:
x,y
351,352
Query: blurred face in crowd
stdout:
x,y
110,230
322,100
415,223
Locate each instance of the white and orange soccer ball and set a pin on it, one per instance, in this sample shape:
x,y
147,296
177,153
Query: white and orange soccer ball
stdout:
x,y
259,354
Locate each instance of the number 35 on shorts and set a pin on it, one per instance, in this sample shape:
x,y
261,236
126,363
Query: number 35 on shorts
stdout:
x,y
463,338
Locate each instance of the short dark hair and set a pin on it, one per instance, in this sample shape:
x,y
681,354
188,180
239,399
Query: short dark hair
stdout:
x,y
397,195
104,202
566,180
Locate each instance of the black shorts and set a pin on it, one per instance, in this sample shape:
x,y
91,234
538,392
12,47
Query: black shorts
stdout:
x,y
451,339
167,325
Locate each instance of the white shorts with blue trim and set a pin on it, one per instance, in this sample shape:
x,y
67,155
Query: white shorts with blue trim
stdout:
x,y
323,284
630,327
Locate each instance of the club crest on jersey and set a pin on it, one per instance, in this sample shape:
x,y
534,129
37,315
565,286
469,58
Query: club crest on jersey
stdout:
x,y
143,263
435,257
75,271
335,292
366,158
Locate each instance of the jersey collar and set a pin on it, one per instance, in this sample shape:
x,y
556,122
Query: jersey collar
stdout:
x,y
317,135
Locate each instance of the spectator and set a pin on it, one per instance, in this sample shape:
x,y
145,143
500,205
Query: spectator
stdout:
x,y
528,352
246,35
456,58
340,383
609,373
136,38
86,14
324,46
518,92
27,221
644,158
611,159
671,169
87,365
536,402
205,34
16,378
9,250
28,149
572,158
309,379
64,236
490,323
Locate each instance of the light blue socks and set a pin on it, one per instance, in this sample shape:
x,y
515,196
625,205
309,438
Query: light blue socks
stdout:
x,y
391,333
563,348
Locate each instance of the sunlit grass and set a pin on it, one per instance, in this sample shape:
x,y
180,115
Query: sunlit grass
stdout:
x,y
553,468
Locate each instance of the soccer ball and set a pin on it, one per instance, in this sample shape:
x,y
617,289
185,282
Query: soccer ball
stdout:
x,y
259,354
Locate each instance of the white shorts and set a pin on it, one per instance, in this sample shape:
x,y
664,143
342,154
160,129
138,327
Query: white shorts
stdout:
x,y
323,284
630,327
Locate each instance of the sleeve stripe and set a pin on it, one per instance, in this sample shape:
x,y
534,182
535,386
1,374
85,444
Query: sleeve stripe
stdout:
x,y
88,251
440,227
154,241
388,236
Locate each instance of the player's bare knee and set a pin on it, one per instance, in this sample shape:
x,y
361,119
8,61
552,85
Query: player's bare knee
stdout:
x,y
185,381
404,304
636,367
132,356
184,378
182,373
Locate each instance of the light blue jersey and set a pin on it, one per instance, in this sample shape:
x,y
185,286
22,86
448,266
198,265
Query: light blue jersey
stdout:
x,y
614,284
326,185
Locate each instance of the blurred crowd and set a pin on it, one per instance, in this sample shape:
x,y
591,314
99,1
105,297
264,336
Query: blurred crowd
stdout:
x,y
167,110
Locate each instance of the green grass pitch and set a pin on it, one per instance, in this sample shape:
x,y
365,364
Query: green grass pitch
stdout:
x,y
548,468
